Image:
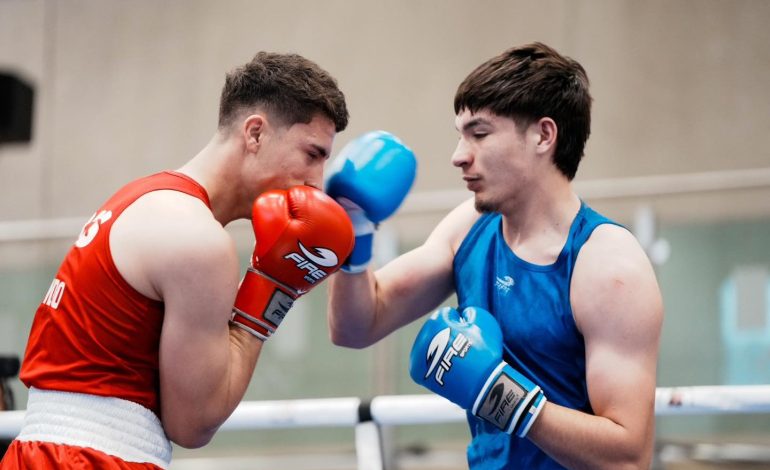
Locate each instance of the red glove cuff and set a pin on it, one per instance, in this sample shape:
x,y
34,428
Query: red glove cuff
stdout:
x,y
261,304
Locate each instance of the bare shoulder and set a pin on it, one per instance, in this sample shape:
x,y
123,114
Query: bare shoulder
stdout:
x,y
166,236
613,282
612,248
451,231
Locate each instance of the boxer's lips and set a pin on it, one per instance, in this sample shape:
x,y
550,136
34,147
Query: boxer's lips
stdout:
x,y
473,183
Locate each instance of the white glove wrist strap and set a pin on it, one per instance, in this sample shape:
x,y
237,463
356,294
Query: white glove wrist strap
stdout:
x,y
361,223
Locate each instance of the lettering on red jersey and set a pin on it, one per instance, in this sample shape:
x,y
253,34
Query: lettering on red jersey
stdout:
x,y
91,228
54,294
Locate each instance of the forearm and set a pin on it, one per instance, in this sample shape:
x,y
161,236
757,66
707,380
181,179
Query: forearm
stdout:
x,y
203,394
352,309
370,178
581,441
244,353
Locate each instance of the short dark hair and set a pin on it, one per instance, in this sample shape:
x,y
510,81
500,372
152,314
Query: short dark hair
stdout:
x,y
290,87
528,83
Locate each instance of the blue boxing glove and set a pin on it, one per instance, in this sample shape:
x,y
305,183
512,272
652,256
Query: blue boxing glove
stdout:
x,y
459,356
370,178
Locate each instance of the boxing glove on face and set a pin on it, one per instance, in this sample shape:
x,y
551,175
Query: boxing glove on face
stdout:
x,y
370,178
302,237
459,356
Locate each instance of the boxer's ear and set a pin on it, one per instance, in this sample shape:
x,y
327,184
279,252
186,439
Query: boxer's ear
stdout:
x,y
252,130
544,132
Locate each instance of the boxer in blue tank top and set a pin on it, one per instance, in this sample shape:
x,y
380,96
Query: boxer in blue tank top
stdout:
x,y
489,275
553,345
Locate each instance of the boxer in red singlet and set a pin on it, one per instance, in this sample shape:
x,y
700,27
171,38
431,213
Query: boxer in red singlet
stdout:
x,y
145,336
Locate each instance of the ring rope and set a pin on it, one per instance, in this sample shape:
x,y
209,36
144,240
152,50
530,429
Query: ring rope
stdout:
x,y
433,409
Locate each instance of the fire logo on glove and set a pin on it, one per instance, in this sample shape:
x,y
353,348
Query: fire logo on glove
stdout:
x,y
310,261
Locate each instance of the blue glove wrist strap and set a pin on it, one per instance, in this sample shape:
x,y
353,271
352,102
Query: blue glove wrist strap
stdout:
x,y
509,400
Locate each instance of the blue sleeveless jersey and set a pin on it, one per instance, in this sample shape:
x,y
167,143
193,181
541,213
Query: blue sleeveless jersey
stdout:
x,y
532,304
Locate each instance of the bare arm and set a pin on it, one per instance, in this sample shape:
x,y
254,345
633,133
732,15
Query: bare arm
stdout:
x,y
618,308
366,307
205,365
189,261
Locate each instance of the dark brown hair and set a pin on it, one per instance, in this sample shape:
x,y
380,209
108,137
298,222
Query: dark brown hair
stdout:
x,y
528,83
290,87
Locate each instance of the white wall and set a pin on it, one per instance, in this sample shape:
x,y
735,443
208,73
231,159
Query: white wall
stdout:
x,y
126,88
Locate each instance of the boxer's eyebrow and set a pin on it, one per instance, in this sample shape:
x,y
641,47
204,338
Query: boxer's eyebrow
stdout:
x,y
475,122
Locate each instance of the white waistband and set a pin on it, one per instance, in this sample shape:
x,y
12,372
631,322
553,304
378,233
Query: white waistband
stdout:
x,y
111,425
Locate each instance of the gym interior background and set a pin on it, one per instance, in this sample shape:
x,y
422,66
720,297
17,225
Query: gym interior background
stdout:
x,y
678,152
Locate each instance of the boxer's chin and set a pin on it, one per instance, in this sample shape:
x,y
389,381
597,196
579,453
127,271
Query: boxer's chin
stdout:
x,y
484,205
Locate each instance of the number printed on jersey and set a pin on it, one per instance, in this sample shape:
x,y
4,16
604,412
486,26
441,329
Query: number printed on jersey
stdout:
x,y
91,228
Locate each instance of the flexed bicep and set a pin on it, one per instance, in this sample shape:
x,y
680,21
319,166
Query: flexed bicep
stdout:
x,y
619,311
197,364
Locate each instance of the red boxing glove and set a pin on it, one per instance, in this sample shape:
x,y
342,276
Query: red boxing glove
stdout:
x,y
302,236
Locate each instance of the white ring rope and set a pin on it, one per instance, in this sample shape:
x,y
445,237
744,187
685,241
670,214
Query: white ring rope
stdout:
x,y
10,423
322,412
433,409
743,399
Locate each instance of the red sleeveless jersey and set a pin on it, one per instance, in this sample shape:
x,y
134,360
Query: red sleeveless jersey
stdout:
x,y
94,333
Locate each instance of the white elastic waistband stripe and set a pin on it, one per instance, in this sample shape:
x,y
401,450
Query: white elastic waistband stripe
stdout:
x,y
114,426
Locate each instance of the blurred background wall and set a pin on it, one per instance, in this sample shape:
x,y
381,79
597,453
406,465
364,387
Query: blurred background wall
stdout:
x,y
678,152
